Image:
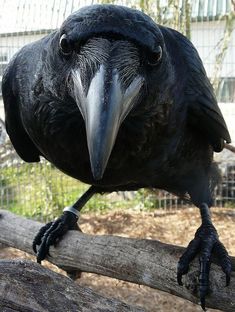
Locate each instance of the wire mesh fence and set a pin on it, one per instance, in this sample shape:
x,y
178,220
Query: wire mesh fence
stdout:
x,y
40,189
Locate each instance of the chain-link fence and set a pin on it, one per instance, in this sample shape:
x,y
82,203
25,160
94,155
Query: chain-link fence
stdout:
x,y
40,189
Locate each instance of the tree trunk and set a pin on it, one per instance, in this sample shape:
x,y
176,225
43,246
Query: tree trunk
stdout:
x,y
141,261
26,286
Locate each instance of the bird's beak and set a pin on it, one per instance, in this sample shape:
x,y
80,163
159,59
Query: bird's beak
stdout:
x,y
103,108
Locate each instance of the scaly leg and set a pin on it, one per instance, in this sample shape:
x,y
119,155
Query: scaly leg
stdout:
x,y
205,242
52,232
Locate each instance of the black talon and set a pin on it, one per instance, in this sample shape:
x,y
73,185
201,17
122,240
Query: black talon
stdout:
x,y
206,242
227,279
186,258
204,279
203,302
43,249
179,278
50,233
224,260
38,238
42,253
182,269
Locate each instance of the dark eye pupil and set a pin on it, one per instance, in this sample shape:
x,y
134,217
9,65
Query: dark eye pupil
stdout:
x,y
65,45
155,57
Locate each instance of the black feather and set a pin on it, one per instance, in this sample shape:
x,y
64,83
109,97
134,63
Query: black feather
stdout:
x,y
167,139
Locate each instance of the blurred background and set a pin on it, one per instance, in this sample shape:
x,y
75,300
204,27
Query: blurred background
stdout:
x,y
40,190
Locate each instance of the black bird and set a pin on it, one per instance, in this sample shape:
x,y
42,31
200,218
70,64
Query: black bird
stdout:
x,y
119,102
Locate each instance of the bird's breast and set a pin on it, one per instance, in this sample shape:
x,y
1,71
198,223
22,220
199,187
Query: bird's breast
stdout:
x,y
59,133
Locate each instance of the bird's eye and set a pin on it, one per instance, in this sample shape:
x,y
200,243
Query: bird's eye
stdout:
x,y
65,45
154,57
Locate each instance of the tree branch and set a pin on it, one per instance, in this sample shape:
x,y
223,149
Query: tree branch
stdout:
x,y
26,286
141,261
230,147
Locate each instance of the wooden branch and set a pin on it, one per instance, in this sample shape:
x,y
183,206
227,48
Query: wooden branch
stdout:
x,y
26,286
140,261
230,147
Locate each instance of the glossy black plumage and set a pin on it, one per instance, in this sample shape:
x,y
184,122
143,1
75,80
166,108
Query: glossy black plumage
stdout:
x,y
168,136
177,125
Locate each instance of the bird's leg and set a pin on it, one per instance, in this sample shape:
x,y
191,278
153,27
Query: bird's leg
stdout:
x,y
52,232
205,242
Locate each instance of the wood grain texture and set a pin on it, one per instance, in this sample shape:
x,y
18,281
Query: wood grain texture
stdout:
x,y
141,261
26,286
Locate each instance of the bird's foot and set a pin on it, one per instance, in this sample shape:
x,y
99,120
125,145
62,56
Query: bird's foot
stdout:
x,y
52,232
205,243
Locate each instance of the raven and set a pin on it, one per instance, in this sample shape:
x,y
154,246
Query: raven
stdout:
x,y
120,103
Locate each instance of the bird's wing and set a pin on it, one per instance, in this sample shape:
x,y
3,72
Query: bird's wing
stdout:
x,y
204,114
14,126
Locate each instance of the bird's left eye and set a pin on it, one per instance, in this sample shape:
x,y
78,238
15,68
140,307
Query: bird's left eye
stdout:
x,y
154,57
65,45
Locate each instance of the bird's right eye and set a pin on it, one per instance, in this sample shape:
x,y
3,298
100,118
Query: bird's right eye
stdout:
x,y
65,45
155,56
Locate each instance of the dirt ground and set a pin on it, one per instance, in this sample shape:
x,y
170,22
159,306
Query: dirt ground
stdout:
x,y
174,227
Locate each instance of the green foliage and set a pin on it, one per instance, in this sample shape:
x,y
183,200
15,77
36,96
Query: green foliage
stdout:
x,y
36,190
40,191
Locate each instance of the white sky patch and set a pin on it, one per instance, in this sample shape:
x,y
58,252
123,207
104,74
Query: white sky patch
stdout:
x,y
27,15
32,15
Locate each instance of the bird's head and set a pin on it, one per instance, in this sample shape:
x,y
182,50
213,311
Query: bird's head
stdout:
x,y
110,53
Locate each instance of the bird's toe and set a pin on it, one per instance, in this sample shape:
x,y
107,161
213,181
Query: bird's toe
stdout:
x,y
186,258
38,238
48,239
224,259
51,233
205,243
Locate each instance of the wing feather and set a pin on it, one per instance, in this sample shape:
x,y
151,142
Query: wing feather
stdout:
x,y
14,126
203,112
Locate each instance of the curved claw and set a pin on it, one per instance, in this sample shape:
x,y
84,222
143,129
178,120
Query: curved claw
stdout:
x,y
186,258
42,253
179,278
206,242
204,279
227,279
203,302
51,233
224,260
48,239
38,238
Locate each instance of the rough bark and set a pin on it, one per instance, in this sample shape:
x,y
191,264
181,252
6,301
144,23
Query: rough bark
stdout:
x,y
26,286
140,261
